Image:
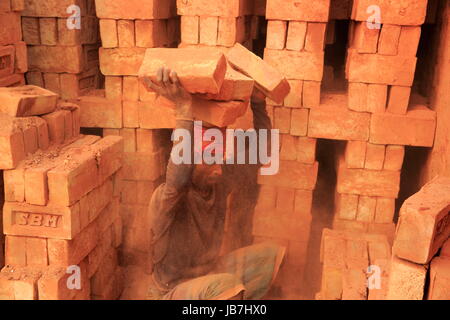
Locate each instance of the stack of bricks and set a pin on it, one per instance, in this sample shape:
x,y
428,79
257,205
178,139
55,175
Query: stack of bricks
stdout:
x,y
13,51
295,46
380,69
62,39
421,245
217,23
61,215
125,108
355,266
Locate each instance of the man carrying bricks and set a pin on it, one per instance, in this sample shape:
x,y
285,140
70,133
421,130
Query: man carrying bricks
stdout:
x,y
188,214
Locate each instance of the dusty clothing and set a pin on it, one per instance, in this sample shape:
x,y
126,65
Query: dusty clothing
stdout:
x,y
187,227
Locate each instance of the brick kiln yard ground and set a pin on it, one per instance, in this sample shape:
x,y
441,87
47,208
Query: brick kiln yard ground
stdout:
x,y
363,128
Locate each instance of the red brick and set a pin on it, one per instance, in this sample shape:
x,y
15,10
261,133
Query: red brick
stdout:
x,y
377,98
142,166
296,35
10,28
151,33
121,61
311,94
233,8
332,120
394,158
357,96
439,279
30,29
422,230
30,139
235,86
108,33
389,40
154,116
366,209
355,154
347,206
49,31
299,122
385,210
21,59
379,69
56,126
302,65
406,280
7,56
416,128
190,32
36,252
19,283
293,174
231,30
125,33
409,41
96,111
276,34
56,59
375,154
298,10
285,199
208,30
113,88
282,119
409,12
398,99
135,9
15,251
267,196
130,89
27,101
294,98
368,182
267,78
315,37
200,70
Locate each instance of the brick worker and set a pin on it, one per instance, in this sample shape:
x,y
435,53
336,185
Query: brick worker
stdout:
x,y
187,215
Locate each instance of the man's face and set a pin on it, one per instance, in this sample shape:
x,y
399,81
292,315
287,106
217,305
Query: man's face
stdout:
x,y
206,175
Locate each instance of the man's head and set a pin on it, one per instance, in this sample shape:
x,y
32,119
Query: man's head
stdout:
x,y
206,175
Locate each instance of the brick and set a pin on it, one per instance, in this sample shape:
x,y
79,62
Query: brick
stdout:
x,y
75,85
294,98
303,65
151,33
131,114
235,86
121,61
366,209
200,70
190,29
408,12
347,206
35,78
15,184
332,120
340,9
267,197
36,252
299,122
409,41
421,231
406,280
306,150
10,28
379,69
311,94
129,139
389,40
298,10
21,60
43,135
293,174
375,154
215,8
113,88
56,126
52,82
109,150
208,30
99,112
19,283
49,31
416,128
296,35
368,182
385,210
153,116
439,279
56,59
394,158
130,89
355,154
398,99
231,30
285,199
303,202
15,251
282,119
135,9
7,58
315,37
139,166
30,139
377,98
357,96
354,285
27,101
125,33
108,33
276,34
288,147
267,78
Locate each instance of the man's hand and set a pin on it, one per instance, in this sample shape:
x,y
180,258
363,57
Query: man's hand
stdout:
x,y
168,85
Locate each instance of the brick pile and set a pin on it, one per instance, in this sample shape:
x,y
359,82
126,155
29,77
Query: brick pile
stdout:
x,y
61,213
13,51
62,55
125,108
349,260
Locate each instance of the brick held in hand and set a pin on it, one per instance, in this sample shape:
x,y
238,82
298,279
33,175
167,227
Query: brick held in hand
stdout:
x,y
121,61
268,79
424,223
200,70
298,10
27,101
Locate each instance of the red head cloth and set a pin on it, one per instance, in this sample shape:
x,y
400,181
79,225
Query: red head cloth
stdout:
x,y
208,139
